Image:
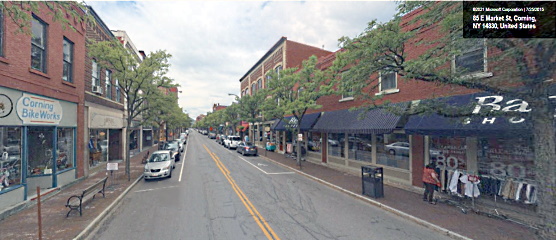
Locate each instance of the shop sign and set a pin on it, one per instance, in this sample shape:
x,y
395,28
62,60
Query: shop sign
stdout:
x,y
33,109
292,124
496,103
6,105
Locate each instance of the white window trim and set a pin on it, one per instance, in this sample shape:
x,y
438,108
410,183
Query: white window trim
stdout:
x,y
387,91
483,74
345,99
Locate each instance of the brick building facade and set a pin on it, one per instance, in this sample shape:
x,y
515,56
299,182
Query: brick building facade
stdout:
x,y
41,105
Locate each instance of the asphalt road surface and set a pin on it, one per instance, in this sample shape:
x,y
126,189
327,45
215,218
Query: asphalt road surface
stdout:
x,y
216,193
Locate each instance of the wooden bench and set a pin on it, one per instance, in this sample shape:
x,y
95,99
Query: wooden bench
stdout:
x,y
75,202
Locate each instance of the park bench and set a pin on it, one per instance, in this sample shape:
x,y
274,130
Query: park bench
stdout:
x,y
75,202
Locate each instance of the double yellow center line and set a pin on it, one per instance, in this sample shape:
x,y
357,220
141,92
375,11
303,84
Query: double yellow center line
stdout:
x,y
267,230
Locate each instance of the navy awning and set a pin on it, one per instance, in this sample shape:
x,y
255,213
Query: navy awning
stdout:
x,y
434,124
374,121
307,122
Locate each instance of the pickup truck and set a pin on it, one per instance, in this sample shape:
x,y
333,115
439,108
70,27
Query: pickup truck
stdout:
x,y
232,141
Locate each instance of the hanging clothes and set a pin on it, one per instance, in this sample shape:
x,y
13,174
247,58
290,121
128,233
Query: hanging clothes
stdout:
x,y
470,187
454,182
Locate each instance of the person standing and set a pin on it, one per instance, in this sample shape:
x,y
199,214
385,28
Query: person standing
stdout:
x,y
430,179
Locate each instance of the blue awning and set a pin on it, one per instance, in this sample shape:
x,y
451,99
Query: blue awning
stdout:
x,y
434,124
374,121
307,122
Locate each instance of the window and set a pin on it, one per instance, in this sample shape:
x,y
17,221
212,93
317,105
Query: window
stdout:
x,y
118,92
278,70
1,33
10,157
347,91
388,81
473,60
68,59
40,148
335,146
65,156
96,74
108,84
260,84
253,88
360,147
393,150
38,45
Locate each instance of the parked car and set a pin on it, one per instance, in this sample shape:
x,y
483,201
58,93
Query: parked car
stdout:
x,y
221,139
212,135
397,148
159,165
173,147
247,148
232,141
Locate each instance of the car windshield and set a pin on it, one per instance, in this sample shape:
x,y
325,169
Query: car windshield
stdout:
x,y
158,157
171,146
235,138
249,144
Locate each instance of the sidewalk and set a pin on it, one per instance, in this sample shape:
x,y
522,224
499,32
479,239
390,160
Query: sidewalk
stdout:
x,y
438,217
55,225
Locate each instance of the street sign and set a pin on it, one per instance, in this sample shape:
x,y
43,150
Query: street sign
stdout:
x,y
300,137
111,166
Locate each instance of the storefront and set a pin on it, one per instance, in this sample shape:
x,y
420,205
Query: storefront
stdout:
x,y
283,130
497,149
38,144
105,135
348,140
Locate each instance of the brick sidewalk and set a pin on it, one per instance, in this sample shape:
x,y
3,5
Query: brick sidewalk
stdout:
x,y
55,225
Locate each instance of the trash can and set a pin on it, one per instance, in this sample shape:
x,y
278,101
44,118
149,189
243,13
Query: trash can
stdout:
x,y
372,181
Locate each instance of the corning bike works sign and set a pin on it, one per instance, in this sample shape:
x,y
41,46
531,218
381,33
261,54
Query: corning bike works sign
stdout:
x,y
33,109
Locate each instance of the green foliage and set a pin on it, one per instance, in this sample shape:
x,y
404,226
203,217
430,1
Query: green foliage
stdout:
x,y
64,12
140,82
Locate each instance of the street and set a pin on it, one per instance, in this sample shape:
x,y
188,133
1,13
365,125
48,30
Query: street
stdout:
x,y
216,193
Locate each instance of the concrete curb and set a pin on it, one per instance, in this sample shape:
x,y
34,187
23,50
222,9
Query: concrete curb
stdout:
x,y
93,226
378,204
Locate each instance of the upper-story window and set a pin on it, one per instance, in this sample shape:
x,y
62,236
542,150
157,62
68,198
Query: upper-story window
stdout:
x,y
253,88
260,84
68,59
108,84
95,74
38,45
347,90
472,62
1,33
388,81
278,70
118,91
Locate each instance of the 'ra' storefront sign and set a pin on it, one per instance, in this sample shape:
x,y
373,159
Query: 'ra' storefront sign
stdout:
x,y
37,110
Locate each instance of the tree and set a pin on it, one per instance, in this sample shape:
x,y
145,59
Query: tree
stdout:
x,y
138,81
231,116
382,47
250,107
292,92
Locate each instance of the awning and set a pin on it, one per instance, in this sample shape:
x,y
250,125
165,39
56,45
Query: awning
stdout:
x,y
434,124
307,122
374,121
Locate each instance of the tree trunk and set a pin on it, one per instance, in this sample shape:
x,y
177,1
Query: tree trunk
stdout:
x,y
298,144
545,169
127,152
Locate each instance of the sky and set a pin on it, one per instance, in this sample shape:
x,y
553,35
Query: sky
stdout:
x,y
214,43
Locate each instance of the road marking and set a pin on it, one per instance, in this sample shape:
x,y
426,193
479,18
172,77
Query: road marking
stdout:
x,y
267,230
264,165
153,189
182,161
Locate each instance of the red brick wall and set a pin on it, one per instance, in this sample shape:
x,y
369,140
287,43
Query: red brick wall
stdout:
x,y
297,52
16,73
417,160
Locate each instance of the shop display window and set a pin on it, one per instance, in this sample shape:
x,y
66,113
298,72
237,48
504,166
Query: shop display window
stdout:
x,y
393,150
335,146
65,149
98,146
359,147
448,152
40,146
10,160
315,141
503,158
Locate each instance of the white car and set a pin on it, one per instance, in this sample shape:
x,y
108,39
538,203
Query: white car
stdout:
x,y
159,165
232,142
